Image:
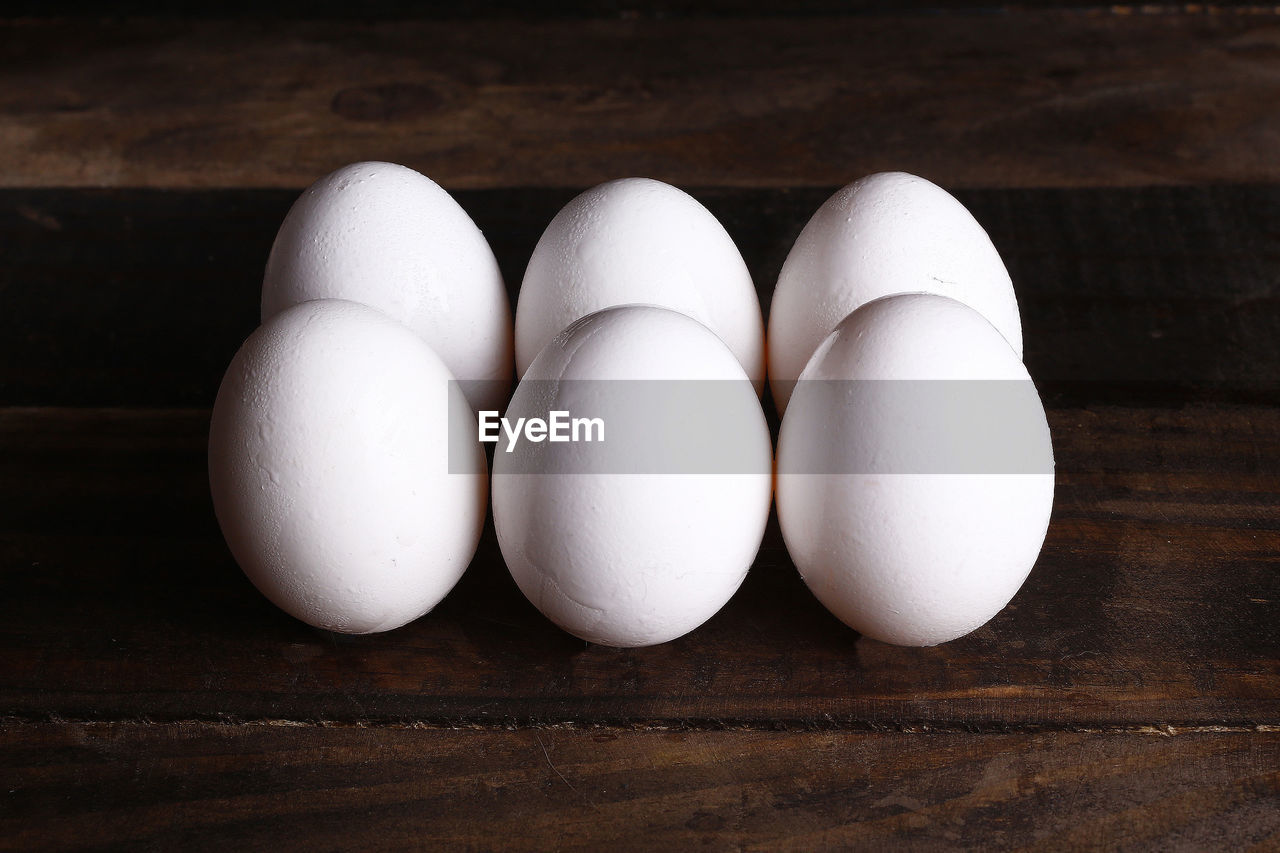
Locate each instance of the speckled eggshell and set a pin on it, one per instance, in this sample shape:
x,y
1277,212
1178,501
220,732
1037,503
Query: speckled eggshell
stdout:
x,y
887,233
913,559
388,237
635,559
637,240
329,469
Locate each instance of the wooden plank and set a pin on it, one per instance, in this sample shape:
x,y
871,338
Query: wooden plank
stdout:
x,y
572,9
604,9
135,297
199,786
1036,98
1154,602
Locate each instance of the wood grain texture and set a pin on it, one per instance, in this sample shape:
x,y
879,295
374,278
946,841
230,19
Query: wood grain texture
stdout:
x,y
1153,602
1036,98
432,10
193,786
136,297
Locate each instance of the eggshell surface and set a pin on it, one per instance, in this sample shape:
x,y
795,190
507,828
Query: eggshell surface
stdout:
x,y
904,555
887,233
391,238
329,471
637,240
634,559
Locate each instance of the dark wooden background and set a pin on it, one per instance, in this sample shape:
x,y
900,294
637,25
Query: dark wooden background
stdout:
x,y
1126,161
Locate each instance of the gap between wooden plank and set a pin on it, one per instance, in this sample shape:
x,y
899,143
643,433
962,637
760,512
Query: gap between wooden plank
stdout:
x,y
8,721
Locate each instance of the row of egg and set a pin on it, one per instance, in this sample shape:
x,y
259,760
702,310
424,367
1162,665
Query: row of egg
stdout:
x,y
335,495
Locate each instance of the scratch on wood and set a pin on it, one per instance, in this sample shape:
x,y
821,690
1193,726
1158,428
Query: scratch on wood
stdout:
x,y
45,220
1191,9
547,756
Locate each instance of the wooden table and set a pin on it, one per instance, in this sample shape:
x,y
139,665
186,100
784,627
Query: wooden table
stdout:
x,y
1125,162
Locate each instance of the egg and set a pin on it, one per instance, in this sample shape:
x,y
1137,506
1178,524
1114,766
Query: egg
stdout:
x,y
641,538
329,469
915,471
390,238
886,233
638,240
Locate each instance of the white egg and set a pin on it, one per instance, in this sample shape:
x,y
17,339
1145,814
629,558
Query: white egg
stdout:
x,y
915,471
886,233
329,468
632,555
641,241
388,237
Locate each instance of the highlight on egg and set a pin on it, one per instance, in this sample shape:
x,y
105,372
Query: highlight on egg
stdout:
x,y
915,471
887,233
639,241
388,237
641,537
329,469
